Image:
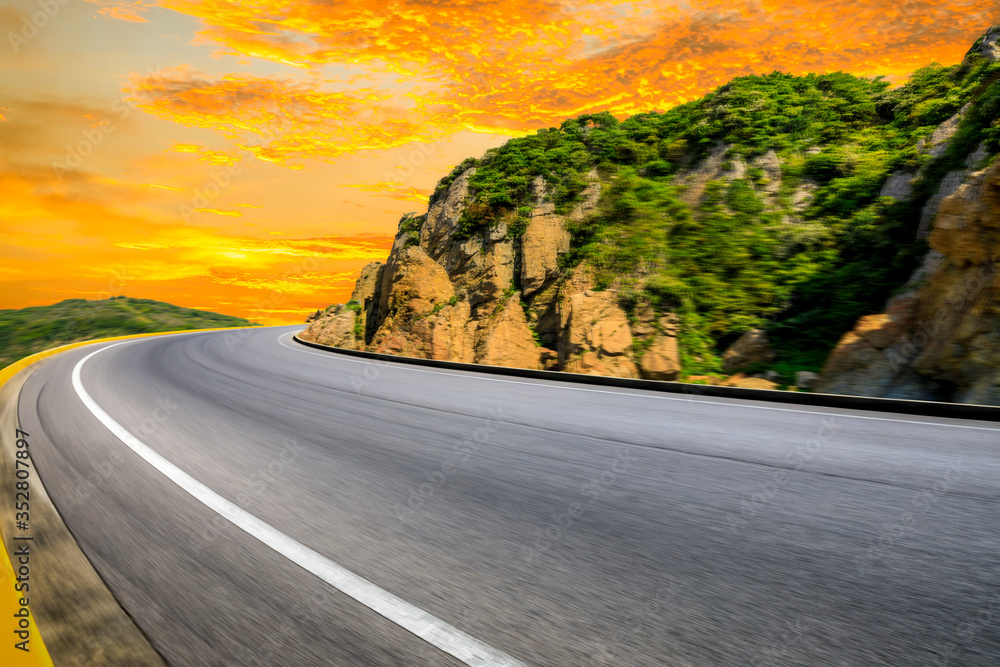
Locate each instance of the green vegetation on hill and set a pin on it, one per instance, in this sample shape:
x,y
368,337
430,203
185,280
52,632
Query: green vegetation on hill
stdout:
x,y
29,330
742,258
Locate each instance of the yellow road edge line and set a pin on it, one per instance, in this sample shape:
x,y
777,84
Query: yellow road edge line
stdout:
x,y
38,655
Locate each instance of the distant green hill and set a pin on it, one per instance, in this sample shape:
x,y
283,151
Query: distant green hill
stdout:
x,y
29,330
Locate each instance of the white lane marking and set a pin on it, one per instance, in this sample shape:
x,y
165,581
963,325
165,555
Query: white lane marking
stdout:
x,y
434,631
407,367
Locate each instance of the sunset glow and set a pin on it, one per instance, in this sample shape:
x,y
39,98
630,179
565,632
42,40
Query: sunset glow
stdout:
x,y
250,157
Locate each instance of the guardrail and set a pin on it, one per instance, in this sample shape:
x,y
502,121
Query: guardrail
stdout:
x,y
894,405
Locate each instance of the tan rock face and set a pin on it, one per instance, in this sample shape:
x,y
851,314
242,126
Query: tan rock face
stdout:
x,y
545,238
543,314
751,348
596,337
879,330
415,284
402,241
497,275
450,334
441,335
367,292
504,339
442,217
941,340
417,319
364,288
948,186
336,331
645,321
967,227
661,360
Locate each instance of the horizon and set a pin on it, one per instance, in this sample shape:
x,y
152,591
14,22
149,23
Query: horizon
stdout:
x,y
250,163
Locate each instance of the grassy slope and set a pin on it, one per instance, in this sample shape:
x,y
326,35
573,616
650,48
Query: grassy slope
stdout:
x,y
734,262
30,330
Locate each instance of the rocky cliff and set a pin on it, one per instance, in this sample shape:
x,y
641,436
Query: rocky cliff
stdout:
x,y
740,235
939,339
493,298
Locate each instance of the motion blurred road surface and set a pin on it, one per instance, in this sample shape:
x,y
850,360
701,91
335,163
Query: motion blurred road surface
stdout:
x,y
560,524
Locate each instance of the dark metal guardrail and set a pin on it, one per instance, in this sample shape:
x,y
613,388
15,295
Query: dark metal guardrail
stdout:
x,y
894,405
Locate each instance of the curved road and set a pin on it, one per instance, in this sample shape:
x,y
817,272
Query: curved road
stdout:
x,y
525,521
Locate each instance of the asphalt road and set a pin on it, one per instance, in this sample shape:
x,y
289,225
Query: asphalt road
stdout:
x,y
559,524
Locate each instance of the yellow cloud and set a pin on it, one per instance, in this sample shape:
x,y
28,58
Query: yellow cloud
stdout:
x,y
217,211
393,191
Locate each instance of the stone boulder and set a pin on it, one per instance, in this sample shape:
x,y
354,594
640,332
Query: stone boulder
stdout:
x,y
661,361
751,348
805,379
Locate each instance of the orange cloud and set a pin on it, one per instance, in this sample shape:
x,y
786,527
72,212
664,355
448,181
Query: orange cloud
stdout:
x,y
280,120
501,66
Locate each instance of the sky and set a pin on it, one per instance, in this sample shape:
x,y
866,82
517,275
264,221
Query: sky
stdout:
x,y
249,157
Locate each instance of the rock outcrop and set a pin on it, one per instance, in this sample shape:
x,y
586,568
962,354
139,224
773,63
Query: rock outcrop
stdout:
x,y
596,338
941,340
988,45
506,340
336,328
751,348
493,299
